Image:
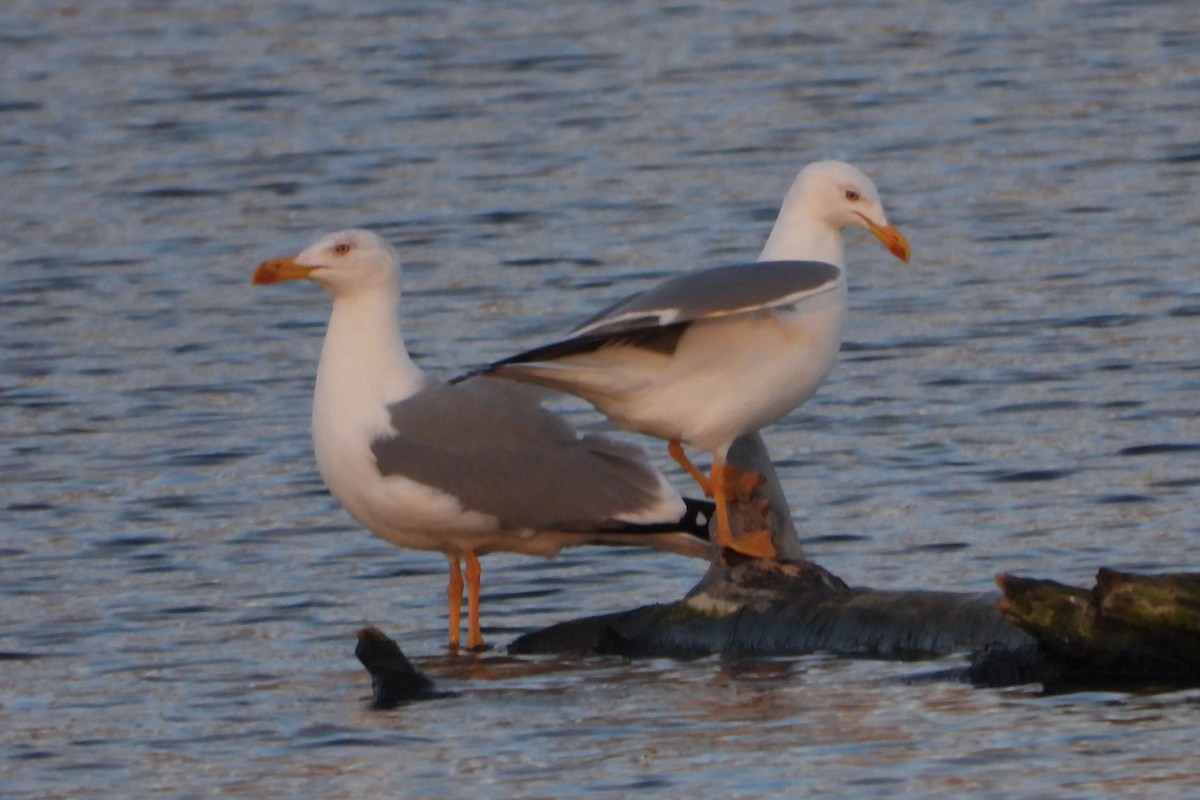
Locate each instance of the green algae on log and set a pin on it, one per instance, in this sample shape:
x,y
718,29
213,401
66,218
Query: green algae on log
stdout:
x,y
790,606
759,608
1130,630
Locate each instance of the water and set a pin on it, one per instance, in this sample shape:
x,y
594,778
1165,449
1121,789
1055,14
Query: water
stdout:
x,y
180,595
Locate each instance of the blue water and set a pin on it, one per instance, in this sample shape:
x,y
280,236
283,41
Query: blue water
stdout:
x,y
180,595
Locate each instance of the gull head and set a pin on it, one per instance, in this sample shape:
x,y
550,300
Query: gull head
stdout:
x,y
826,197
342,263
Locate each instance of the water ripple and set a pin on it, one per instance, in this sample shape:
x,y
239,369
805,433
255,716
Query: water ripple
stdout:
x,y
181,593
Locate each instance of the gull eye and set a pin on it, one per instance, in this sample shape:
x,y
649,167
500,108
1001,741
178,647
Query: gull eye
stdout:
x,y
853,196
341,249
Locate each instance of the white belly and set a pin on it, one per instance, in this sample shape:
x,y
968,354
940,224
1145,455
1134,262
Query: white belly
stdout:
x,y
403,512
728,376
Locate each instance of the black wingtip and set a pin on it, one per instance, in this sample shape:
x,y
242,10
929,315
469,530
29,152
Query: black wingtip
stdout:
x,y
694,522
697,517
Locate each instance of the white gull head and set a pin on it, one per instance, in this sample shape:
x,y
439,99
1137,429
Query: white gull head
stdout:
x,y
825,198
351,261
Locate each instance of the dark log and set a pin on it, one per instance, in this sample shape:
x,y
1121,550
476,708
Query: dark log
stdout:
x,y
784,607
1129,630
394,680
773,608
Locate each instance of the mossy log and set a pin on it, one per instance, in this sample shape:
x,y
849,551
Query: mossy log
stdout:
x,y
782,607
1139,628
1128,630
1165,604
758,608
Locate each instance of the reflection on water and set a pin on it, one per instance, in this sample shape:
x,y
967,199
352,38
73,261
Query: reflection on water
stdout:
x,y
181,595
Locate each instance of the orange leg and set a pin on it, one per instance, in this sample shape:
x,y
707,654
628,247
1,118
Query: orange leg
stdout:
x,y
676,451
756,544
717,480
474,572
454,590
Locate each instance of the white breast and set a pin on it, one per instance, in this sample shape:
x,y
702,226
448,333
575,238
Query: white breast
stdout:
x,y
363,369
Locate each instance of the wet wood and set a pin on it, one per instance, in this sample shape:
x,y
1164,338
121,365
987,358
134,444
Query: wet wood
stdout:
x,y
1127,630
1166,604
782,607
394,680
1135,627
765,609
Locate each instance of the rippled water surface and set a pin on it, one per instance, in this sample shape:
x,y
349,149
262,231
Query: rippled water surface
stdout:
x,y
180,595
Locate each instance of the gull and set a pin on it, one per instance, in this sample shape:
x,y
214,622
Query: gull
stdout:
x,y
464,470
709,355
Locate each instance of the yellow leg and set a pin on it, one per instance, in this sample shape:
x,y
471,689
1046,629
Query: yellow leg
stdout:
x,y
454,590
756,544
474,572
676,451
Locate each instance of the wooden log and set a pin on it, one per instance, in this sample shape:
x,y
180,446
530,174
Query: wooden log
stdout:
x,y
1130,630
763,608
394,680
1040,631
1166,604
783,607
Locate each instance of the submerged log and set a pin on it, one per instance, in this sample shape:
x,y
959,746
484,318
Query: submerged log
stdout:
x,y
1138,627
772,608
1128,630
394,680
784,607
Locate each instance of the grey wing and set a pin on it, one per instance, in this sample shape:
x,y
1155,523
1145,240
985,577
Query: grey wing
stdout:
x,y
715,292
656,319
491,444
